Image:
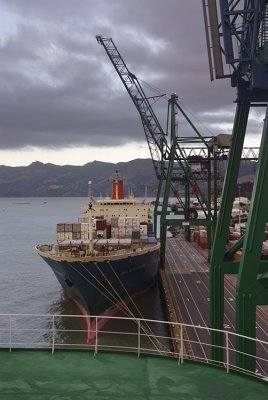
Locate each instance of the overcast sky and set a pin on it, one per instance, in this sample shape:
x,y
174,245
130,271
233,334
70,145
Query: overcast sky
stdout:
x,y
61,100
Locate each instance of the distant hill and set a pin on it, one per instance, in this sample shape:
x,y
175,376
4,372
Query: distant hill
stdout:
x,y
49,180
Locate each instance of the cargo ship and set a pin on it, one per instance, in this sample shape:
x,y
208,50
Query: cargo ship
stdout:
x,y
108,257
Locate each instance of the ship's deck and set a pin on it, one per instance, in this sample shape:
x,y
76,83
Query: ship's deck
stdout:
x,y
37,374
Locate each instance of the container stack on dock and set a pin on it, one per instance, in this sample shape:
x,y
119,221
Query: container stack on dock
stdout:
x,y
235,233
200,236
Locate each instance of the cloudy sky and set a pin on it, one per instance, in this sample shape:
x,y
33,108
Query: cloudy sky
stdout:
x,y
61,100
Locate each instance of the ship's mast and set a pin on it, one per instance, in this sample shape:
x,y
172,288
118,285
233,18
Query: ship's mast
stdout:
x,y
89,213
90,236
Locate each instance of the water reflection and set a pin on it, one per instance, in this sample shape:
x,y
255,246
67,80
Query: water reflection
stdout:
x,y
68,328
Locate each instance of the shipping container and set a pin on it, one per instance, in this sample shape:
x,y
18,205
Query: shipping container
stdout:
x,y
100,224
121,231
143,230
84,235
60,236
129,231
196,236
203,240
150,227
128,222
136,234
237,255
77,227
203,233
108,230
114,222
121,222
84,227
60,227
68,227
114,232
76,235
135,222
68,235
234,235
265,247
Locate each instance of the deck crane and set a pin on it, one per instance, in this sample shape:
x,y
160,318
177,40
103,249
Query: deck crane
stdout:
x,y
237,33
161,150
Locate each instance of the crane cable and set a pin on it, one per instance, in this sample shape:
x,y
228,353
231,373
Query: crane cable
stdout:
x,y
161,94
137,309
126,310
146,329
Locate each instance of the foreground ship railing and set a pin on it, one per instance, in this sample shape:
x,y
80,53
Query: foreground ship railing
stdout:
x,y
142,336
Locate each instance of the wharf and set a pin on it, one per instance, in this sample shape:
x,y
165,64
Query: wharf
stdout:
x,y
185,280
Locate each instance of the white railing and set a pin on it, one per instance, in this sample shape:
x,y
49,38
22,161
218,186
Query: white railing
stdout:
x,y
138,335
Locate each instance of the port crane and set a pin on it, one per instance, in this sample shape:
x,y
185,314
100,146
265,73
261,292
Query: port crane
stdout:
x,y
170,161
173,160
237,41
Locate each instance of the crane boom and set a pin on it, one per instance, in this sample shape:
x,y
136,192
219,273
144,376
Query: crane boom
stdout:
x,y
154,133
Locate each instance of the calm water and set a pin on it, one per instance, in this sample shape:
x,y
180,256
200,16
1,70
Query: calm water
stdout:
x,y
27,283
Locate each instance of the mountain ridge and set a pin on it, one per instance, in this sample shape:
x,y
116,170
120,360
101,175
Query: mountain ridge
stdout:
x,y
50,180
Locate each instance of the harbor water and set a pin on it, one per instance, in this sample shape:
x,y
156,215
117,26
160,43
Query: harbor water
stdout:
x,y
28,285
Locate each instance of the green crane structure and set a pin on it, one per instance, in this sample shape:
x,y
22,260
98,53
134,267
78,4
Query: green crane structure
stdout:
x,y
238,31
170,161
189,161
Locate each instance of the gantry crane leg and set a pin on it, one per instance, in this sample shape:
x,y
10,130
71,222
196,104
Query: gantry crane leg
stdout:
x,y
163,221
157,200
251,285
168,181
217,264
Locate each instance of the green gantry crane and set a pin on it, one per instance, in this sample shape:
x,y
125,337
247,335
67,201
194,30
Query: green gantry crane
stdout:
x,y
170,161
238,31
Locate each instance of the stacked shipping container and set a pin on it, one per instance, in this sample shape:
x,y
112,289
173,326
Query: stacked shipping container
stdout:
x,y
120,227
79,230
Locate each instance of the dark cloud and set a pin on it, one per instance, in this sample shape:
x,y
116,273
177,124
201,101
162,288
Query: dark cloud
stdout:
x,y
58,88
